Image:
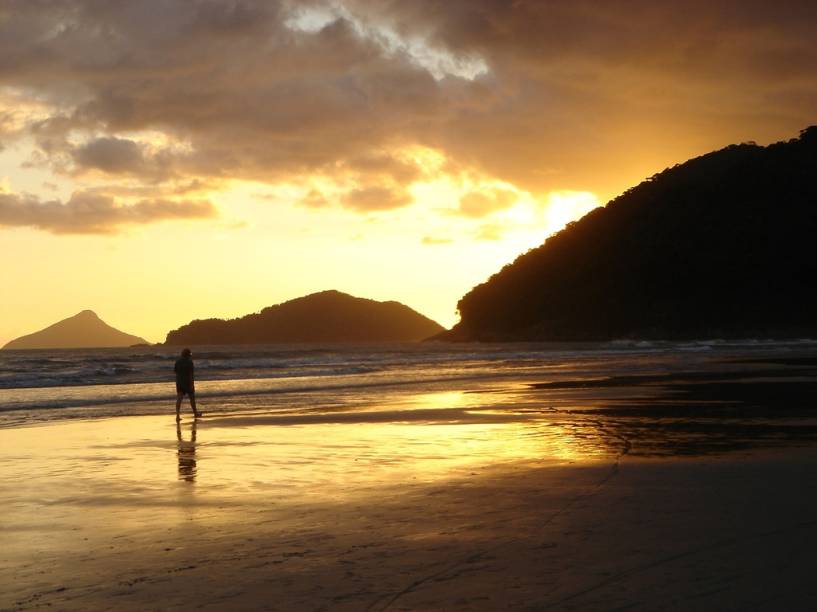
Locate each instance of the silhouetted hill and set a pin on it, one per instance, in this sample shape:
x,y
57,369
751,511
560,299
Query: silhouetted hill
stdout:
x,y
329,316
83,330
724,245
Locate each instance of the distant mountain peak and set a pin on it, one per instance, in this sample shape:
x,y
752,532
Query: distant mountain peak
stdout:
x,y
83,330
86,314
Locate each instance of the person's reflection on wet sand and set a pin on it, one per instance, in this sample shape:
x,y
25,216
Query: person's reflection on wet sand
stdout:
x,y
187,453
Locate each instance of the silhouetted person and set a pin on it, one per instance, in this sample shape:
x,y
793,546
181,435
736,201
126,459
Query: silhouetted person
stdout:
x,y
184,382
187,454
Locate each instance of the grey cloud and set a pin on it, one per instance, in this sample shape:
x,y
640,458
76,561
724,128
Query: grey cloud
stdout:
x,y
258,102
385,167
693,34
124,157
112,155
579,95
596,92
91,213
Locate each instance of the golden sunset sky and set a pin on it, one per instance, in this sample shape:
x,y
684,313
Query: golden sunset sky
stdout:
x,y
162,161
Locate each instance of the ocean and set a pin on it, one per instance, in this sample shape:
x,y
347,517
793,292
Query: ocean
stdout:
x,y
44,385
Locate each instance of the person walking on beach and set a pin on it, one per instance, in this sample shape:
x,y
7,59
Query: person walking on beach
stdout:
x,y
184,382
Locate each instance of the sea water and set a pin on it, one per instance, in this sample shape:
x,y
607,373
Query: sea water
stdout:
x,y
38,385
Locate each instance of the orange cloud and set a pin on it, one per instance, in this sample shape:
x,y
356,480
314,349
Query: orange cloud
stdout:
x,y
314,199
482,203
370,199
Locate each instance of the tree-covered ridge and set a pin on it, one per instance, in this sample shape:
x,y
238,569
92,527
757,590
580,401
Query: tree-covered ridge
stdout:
x,y
329,316
724,245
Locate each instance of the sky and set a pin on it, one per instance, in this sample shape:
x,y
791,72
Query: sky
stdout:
x,y
167,160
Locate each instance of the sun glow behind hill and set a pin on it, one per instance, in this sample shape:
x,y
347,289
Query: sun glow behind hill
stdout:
x,y
188,160
266,246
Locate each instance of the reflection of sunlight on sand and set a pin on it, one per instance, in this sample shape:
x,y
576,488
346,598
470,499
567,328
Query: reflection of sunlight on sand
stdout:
x,y
135,459
98,477
340,460
445,399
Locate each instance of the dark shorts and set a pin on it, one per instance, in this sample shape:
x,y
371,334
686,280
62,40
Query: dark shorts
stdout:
x,y
184,389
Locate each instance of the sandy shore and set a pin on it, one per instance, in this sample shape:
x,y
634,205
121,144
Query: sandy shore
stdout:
x,y
458,504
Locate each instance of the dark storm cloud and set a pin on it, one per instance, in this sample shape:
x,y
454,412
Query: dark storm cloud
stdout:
x,y
90,213
573,95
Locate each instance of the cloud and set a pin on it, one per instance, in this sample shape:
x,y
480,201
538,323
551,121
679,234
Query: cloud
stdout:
x,y
369,199
127,190
314,199
586,95
112,155
384,167
482,203
591,95
90,213
360,199
251,98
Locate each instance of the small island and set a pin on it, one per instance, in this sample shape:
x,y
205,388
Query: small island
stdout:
x,y
328,316
83,330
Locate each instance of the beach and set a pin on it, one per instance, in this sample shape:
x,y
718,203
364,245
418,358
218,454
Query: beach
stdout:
x,y
676,489
457,306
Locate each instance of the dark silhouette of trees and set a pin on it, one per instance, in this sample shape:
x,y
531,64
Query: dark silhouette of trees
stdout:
x,y
724,245
329,316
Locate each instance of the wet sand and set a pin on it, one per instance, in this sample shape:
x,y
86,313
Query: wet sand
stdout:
x,y
651,495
